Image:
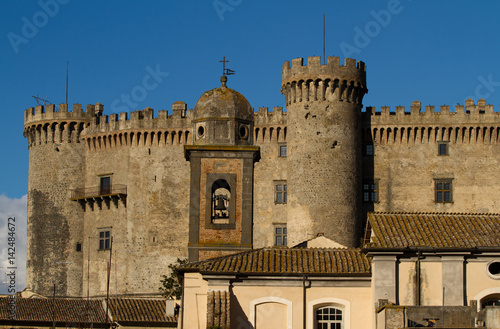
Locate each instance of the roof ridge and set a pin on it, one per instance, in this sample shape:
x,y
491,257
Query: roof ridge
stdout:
x,y
432,213
285,260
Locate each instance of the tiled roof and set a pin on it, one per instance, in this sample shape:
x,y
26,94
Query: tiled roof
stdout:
x,y
139,310
48,310
286,261
218,309
434,230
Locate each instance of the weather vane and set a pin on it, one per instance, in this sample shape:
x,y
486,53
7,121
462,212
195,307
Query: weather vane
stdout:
x,y
224,70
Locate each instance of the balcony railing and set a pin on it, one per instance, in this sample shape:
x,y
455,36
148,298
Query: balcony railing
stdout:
x,y
99,192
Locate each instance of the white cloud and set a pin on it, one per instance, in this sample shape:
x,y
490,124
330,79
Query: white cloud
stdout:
x,y
13,208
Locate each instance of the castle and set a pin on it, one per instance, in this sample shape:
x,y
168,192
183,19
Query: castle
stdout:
x,y
141,191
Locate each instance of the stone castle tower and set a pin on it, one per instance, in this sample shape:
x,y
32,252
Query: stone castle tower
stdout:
x,y
144,190
56,163
324,163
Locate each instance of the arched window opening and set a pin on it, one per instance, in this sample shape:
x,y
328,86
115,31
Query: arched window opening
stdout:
x,y
328,317
490,300
221,198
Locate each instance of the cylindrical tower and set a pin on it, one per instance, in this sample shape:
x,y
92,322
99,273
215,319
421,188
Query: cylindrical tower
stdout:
x,y
324,148
55,223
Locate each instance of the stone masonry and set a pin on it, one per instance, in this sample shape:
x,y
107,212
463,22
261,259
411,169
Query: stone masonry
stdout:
x,y
335,148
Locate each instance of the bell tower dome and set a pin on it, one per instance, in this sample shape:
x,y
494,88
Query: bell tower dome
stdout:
x,y
223,116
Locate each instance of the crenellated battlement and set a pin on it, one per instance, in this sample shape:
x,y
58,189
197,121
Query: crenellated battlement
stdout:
x,y
469,124
330,82
314,67
141,119
270,126
431,115
140,128
49,112
264,117
46,124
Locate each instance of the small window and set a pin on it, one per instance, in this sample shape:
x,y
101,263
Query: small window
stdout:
x,y
443,149
370,191
78,246
280,192
493,269
283,150
329,318
104,240
368,149
280,235
105,187
443,191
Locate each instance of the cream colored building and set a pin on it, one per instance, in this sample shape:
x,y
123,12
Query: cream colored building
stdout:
x,y
415,269
278,288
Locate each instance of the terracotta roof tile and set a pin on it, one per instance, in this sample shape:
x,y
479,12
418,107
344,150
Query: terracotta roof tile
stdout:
x,y
287,261
48,310
139,310
434,230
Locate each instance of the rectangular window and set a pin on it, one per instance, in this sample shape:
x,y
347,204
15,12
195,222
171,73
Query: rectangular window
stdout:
x,y
280,192
282,150
369,149
280,235
443,191
105,187
370,191
442,148
104,239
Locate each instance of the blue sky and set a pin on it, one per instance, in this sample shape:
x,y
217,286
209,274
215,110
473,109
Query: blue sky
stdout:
x,y
437,52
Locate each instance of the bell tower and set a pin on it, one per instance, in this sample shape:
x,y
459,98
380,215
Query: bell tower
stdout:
x,y
222,161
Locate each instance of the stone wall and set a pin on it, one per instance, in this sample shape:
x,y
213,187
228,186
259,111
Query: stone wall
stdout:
x,y
406,162
270,134
151,230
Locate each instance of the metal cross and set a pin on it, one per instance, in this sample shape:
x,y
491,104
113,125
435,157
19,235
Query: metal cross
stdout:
x,y
223,61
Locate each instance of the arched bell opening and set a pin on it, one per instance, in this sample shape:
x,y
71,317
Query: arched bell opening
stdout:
x,y
221,198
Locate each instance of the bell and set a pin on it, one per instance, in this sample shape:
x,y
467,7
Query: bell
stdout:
x,y
219,204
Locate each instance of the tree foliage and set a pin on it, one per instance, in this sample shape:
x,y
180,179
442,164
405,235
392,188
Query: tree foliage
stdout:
x,y
170,285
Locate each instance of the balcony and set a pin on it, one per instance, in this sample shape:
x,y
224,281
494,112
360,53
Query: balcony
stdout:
x,y
99,195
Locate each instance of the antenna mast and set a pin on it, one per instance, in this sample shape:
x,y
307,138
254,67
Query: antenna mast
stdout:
x,y
324,40
38,99
67,68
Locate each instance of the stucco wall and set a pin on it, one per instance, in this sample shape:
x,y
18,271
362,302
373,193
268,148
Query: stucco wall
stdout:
x,y
481,285
279,303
